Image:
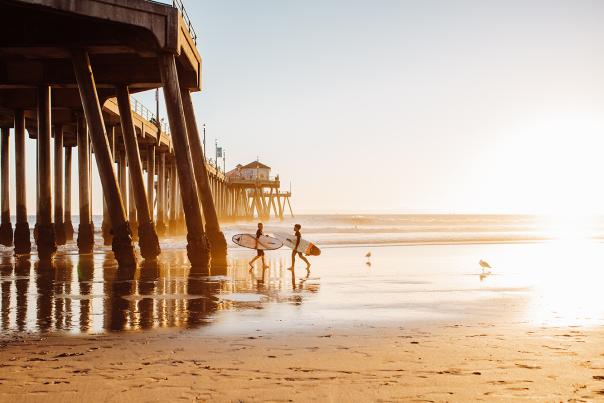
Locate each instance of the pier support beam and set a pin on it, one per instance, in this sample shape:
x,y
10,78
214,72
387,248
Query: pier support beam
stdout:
x,y
161,194
86,227
22,236
132,216
67,213
172,224
147,237
122,240
44,227
150,179
218,243
58,173
198,248
6,228
106,225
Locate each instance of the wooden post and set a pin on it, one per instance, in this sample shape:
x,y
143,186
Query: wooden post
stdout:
x,y
122,240
217,241
150,179
161,194
147,238
172,224
132,216
68,225
6,228
58,174
44,228
198,247
106,225
86,228
22,236
290,206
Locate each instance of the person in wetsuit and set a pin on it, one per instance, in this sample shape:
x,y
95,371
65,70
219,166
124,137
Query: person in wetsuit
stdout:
x,y
260,252
295,251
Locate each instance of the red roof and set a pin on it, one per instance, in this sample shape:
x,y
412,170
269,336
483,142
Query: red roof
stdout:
x,y
255,165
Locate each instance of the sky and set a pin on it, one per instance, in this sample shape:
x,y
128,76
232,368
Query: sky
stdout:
x,y
471,106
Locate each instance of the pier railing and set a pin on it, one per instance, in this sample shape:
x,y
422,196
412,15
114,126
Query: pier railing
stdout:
x,y
146,113
185,16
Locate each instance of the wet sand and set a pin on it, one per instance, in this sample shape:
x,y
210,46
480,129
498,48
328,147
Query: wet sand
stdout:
x,y
409,324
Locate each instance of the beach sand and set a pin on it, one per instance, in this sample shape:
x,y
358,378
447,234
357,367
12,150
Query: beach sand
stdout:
x,y
442,363
411,324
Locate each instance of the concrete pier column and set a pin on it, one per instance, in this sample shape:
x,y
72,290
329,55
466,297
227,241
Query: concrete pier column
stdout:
x,y
122,240
161,194
198,248
58,179
67,224
44,227
6,228
172,223
150,179
122,176
86,227
22,236
132,216
106,225
147,237
216,237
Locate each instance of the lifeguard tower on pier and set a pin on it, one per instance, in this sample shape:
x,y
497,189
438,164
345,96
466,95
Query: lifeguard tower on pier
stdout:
x,y
256,192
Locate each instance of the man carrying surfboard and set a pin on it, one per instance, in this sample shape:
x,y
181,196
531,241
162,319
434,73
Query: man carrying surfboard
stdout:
x,y
259,252
295,250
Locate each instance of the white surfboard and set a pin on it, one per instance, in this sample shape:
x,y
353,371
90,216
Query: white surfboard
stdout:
x,y
265,242
306,247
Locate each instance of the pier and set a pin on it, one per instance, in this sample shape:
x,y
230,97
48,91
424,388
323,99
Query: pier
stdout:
x,y
67,72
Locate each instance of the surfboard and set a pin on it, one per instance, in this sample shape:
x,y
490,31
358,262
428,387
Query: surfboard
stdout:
x,y
306,247
265,242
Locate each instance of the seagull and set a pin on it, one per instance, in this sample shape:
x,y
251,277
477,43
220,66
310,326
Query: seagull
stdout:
x,y
484,265
368,254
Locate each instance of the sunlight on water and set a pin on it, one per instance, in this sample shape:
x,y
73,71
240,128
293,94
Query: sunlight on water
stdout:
x,y
551,283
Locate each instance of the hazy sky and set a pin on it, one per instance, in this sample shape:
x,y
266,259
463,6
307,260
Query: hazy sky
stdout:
x,y
405,106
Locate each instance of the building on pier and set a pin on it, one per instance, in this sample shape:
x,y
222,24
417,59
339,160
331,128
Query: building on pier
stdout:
x,y
256,193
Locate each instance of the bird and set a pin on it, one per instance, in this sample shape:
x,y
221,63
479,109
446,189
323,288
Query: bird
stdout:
x,y
484,265
368,254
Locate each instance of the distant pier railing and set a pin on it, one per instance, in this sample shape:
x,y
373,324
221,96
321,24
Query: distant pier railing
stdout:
x,y
185,16
146,113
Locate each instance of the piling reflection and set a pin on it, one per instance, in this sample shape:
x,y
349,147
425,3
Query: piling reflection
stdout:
x,y
90,294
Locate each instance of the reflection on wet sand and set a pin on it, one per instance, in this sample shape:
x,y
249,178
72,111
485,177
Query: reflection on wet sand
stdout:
x,y
88,293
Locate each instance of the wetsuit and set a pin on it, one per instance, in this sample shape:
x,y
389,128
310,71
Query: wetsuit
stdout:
x,y
298,239
258,235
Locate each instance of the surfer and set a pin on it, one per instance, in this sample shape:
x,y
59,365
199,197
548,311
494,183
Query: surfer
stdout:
x,y
298,235
260,252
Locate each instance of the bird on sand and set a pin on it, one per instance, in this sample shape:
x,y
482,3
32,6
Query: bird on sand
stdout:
x,y
484,265
368,254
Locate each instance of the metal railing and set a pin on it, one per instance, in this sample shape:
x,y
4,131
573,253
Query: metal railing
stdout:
x,y
185,16
146,113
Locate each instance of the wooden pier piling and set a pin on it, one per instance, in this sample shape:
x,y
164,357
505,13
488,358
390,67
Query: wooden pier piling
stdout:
x,y
122,240
22,234
161,226
45,231
61,238
218,243
198,248
86,227
6,228
67,212
147,237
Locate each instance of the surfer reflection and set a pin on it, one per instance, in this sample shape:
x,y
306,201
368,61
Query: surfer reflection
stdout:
x,y
295,250
259,252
